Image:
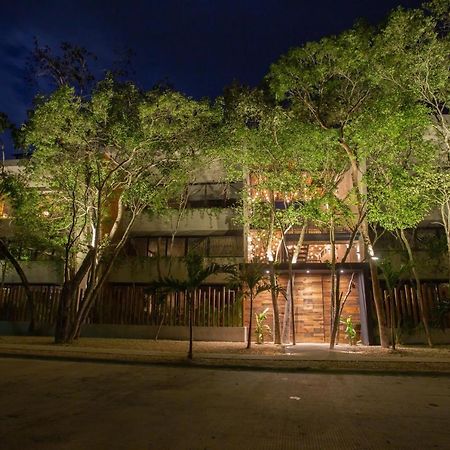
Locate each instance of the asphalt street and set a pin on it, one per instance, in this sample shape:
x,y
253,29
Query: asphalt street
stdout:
x,y
72,405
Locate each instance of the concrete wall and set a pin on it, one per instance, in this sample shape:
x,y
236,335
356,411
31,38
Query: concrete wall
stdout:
x,y
222,334
38,272
418,337
145,269
194,222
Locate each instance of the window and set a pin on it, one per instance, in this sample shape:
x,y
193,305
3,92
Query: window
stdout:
x,y
208,246
225,246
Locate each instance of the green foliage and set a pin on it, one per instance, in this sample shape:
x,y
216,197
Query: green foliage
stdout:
x,y
196,274
293,166
413,54
250,279
393,274
364,93
441,313
119,146
68,66
261,328
350,332
32,229
324,80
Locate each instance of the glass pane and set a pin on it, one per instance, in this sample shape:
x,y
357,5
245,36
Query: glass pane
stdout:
x,y
138,246
198,245
177,248
156,246
225,246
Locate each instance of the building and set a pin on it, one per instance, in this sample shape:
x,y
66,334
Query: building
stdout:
x,y
207,226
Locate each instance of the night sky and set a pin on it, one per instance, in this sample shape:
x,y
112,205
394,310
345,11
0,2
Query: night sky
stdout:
x,y
199,46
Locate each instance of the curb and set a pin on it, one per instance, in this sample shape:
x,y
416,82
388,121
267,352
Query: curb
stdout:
x,y
424,368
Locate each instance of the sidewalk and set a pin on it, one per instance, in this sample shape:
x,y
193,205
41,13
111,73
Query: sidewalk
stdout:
x,y
302,357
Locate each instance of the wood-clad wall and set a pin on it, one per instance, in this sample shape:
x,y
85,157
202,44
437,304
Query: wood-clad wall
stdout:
x,y
312,306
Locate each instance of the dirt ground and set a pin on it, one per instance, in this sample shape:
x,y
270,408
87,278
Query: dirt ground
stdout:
x,y
227,348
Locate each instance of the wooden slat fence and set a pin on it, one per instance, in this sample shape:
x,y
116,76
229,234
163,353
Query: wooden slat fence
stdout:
x,y
406,305
14,307
214,306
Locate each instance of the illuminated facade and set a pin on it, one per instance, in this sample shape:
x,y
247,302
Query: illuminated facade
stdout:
x,y
209,226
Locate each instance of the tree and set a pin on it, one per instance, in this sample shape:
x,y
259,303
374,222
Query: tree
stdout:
x,y
27,233
29,230
413,53
250,279
72,65
103,161
392,276
247,117
331,85
197,274
294,168
399,192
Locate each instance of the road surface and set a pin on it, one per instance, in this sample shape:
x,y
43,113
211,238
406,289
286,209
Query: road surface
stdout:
x,y
54,405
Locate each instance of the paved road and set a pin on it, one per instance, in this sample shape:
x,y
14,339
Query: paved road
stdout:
x,y
64,405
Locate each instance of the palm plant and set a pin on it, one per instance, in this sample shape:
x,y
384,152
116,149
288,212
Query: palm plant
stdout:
x,y
393,277
197,273
251,280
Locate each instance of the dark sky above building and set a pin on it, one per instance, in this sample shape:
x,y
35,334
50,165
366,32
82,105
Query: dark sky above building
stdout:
x,y
199,46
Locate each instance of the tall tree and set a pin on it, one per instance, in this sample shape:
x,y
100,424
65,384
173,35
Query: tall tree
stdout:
x,y
399,193
103,161
413,52
331,85
30,233
247,117
70,65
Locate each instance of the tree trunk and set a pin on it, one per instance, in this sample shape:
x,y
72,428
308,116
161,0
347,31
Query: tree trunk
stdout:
x,y
418,287
93,290
376,290
287,314
336,321
276,311
358,171
336,311
335,307
392,315
273,284
64,332
291,292
379,308
191,326
63,317
249,336
445,216
4,250
292,261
